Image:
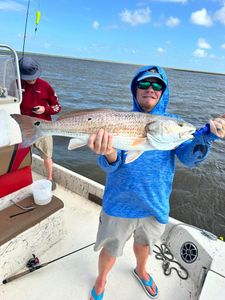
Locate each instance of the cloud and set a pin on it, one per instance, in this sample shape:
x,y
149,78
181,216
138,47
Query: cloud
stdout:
x,y
28,36
136,17
223,46
11,6
95,25
201,17
220,15
200,53
203,44
161,50
172,22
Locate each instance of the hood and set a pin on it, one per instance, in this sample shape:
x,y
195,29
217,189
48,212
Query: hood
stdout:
x,y
161,106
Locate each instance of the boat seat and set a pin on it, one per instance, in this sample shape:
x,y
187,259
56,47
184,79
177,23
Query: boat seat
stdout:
x,y
15,168
12,222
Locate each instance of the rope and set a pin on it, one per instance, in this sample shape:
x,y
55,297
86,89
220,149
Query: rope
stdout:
x,y
167,257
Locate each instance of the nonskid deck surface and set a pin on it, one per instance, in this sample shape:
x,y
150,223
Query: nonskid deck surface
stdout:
x,y
72,278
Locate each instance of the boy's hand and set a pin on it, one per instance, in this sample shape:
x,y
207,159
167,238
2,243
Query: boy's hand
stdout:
x,y
101,143
217,126
38,110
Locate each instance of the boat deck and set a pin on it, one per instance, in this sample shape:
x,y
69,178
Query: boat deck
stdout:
x,y
73,276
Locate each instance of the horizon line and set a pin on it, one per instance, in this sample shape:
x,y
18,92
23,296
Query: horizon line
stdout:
x,y
125,63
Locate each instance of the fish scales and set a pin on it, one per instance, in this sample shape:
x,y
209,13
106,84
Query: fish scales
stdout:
x,y
117,123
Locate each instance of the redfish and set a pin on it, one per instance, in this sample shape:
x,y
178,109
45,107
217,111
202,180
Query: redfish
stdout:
x,y
134,132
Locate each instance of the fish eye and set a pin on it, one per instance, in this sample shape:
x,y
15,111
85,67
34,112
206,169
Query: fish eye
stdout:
x,y
181,124
89,119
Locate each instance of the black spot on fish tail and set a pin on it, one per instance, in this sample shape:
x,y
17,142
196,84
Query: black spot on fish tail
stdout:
x,y
200,148
37,123
30,129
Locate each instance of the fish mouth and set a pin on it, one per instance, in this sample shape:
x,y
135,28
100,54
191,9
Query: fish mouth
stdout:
x,y
187,134
192,130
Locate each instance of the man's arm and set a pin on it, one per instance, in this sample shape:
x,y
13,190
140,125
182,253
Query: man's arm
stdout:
x,y
54,106
191,153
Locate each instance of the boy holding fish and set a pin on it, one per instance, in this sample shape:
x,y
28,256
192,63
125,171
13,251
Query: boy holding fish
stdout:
x,y
136,197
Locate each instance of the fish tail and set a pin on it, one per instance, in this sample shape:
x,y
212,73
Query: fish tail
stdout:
x,y
30,129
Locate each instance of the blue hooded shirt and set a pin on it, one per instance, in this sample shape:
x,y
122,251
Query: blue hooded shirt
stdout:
x,y
142,188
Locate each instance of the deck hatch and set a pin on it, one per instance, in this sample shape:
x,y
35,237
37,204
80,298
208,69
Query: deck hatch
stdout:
x,y
189,252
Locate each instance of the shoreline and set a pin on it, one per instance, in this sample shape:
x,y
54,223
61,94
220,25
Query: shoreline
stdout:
x,y
124,63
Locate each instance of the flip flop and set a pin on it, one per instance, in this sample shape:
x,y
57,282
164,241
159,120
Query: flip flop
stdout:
x,y
145,283
95,296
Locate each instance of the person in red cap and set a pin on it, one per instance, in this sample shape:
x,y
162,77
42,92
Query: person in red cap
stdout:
x,y
38,100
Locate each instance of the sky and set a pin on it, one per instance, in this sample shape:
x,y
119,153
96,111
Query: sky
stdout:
x,y
183,34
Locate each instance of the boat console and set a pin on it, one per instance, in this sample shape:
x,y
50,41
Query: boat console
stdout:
x,y
15,162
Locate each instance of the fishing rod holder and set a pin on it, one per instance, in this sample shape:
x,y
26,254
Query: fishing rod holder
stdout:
x,y
33,262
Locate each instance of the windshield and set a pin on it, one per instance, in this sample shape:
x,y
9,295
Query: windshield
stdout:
x,y
9,76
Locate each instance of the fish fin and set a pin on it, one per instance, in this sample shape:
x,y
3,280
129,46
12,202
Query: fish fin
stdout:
x,y
81,112
76,143
132,156
131,143
138,141
30,128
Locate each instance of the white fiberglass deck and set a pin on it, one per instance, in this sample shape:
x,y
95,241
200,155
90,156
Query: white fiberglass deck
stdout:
x,y
73,277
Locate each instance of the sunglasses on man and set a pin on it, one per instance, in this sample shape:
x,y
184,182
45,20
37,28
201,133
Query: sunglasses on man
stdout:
x,y
144,85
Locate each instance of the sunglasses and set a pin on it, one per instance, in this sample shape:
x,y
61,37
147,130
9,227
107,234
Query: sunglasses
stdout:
x,y
144,85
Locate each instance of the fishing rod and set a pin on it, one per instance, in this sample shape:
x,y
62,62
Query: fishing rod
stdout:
x,y
25,30
33,264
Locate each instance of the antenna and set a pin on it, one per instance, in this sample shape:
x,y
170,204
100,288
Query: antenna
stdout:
x,y
25,30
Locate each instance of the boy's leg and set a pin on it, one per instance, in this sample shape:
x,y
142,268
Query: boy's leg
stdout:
x,y
45,148
48,167
105,264
141,252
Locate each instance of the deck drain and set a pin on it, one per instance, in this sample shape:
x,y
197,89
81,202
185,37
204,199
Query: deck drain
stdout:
x,y
189,252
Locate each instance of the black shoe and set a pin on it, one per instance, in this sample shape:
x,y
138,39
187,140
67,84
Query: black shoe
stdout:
x,y
53,185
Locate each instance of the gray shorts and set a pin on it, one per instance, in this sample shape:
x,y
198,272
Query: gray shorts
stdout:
x,y
114,232
45,147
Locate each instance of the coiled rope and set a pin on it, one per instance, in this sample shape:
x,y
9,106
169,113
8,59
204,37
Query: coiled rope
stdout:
x,y
167,257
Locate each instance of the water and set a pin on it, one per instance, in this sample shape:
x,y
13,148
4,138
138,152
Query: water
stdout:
x,y
199,193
